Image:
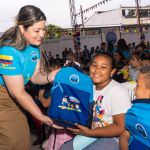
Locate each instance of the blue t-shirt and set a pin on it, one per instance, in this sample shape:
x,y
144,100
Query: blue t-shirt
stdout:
x,y
18,62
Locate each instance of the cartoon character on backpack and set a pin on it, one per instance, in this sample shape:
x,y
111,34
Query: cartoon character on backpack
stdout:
x,y
64,103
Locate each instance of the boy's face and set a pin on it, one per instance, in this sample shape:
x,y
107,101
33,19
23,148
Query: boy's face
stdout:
x,y
134,62
140,90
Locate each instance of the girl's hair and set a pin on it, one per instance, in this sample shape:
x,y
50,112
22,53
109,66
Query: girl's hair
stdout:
x,y
120,54
27,16
107,55
122,45
141,45
136,54
145,55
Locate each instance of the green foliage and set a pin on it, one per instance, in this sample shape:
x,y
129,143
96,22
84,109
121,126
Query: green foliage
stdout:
x,y
53,32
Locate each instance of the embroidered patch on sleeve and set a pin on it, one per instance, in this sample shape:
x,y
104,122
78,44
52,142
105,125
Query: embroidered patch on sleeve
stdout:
x,y
4,59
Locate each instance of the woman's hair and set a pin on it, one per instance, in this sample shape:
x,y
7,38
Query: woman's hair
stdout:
x,y
107,55
27,16
122,45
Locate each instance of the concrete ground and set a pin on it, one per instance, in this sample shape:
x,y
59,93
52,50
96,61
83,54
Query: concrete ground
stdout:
x,y
33,138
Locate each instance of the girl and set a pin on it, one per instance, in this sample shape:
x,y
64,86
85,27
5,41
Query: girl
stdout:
x,y
111,103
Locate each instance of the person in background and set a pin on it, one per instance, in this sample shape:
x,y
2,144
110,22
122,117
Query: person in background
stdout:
x,y
123,48
121,72
92,51
135,136
141,58
119,57
103,47
140,47
110,47
111,101
85,55
135,65
20,62
65,52
97,50
145,58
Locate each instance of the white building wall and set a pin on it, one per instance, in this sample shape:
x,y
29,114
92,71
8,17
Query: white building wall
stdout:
x,y
56,46
134,37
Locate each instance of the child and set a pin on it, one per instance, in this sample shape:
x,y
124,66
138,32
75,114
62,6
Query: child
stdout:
x,y
136,129
135,65
111,103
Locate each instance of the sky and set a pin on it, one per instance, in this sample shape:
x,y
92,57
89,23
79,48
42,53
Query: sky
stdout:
x,y
57,11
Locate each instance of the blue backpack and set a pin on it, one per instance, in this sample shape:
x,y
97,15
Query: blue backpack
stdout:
x,y
138,124
71,98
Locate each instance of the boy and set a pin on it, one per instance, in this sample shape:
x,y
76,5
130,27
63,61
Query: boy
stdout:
x,y
135,65
137,117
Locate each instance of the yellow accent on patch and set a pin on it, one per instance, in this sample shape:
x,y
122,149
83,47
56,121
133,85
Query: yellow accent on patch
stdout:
x,y
5,57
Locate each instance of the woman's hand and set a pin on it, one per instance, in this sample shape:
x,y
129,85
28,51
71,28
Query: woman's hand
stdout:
x,y
57,127
45,119
81,130
49,122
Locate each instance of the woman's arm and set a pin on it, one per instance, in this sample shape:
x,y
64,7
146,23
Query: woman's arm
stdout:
x,y
123,141
42,77
112,130
15,86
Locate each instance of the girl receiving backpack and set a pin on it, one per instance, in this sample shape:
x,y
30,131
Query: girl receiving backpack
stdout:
x,y
111,103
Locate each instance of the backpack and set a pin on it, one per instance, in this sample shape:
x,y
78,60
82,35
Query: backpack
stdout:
x,y
71,98
137,123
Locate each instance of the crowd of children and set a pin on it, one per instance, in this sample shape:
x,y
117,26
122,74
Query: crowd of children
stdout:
x,y
115,75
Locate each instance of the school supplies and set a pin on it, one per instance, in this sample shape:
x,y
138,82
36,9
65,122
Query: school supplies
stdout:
x,y
71,98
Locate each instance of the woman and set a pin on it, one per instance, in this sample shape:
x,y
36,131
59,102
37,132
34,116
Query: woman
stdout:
x,y
19,63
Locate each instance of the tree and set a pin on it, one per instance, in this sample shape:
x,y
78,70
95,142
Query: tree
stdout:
x,y
53,32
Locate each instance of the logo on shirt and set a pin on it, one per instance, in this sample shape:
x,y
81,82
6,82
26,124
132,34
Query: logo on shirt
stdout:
x,y
74,78
6,60
141,130
34,56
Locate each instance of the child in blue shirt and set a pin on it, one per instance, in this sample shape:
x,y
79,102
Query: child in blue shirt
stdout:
x,y
136,135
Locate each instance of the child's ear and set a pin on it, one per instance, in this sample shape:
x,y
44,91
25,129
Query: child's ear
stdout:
x,y
112,72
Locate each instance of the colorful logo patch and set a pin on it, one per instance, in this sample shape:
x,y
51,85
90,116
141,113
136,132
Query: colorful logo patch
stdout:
x,y
34,56
5,59
74,78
